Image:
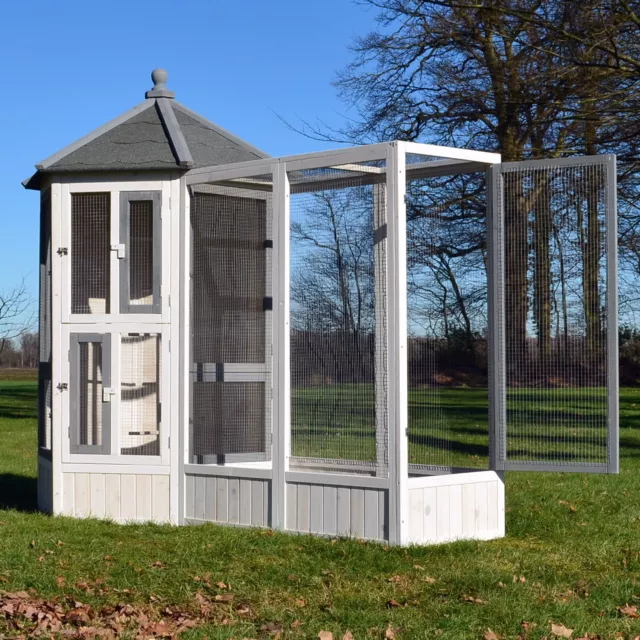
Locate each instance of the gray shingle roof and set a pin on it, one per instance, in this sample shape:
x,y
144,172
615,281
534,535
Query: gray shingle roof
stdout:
x,y
151,136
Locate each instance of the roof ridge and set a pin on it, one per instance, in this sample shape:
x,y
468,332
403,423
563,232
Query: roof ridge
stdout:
x,y
174,133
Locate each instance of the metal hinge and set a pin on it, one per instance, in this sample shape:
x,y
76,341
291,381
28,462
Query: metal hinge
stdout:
x,y
62,251
62,386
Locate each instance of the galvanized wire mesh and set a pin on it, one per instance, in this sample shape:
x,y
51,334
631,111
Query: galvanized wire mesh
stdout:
x,y
447,318
89,390
338,318
231,321
44,368
140,252
140,380
90,252
556,314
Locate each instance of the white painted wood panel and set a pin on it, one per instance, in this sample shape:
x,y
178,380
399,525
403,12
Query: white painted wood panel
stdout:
x,y
118,497
332,510
452,507
227,500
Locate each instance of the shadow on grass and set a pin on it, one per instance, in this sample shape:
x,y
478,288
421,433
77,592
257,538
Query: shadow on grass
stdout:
x,y
18,492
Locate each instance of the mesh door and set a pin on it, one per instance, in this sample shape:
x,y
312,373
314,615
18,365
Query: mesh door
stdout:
x,y
141,252
447,319
140,377
560,327
90,252
231,322
338,318
89,396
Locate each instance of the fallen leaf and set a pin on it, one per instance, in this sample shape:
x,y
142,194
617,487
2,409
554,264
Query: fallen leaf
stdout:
x,y
226,597
520,579
60,581
393,603
561,631
429,579
631,611
108,558
473,600
222,585
502,585
527,626
491,635
325,635
300,602
390,633
347,636
158,565
295,624
395,579
419,567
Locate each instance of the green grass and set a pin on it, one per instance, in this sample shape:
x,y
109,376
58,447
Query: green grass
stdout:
x,y
574,538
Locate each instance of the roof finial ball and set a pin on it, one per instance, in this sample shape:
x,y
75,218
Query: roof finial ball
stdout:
x,y
159,77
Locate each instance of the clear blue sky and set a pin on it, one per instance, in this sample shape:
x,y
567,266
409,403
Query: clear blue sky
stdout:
x,y
68,66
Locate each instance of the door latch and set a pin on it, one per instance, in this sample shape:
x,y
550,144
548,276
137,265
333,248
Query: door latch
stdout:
x,y
62,386
119,249
62,251
107,392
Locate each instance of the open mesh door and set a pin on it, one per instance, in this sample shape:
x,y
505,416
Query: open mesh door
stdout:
x,y
557,346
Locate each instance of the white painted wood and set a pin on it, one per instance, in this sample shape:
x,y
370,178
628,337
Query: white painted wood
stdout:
x,y
371,514
337,479
97,488
330,511
228,471
397,344
160,498
257,503
222,501
200,496
303,508
82,495
357,512
343,496
438,151
143,498
292,501
68,494
128,491
245,502
210,500
233,493
471,506
112,469
112,495
281,373
190,492
452,479
316,509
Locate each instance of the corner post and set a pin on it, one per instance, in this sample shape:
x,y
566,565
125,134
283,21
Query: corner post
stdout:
x,y
496,338
281,377
397,342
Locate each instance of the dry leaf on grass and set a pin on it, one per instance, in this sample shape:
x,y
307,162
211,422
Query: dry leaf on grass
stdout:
x,y
300,602
393,603
395,579
295,624
561,631
347,636
390,633
520,579
60,581
630,611
325,635
491,635
473,600
226,597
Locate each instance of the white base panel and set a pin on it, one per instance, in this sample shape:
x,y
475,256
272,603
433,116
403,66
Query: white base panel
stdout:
x,y
115,496
456,507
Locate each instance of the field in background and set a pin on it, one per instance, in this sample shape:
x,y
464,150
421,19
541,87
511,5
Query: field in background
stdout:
x,y
571,557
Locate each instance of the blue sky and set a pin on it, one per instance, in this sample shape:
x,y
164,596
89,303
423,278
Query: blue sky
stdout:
x,y
68,66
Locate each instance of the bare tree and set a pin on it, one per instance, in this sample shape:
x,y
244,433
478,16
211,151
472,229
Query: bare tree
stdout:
x,y
16,314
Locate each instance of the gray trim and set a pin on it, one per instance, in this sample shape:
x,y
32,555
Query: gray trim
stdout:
x,y
438,168
179,144
506,167
496,338
241,473
336,480
613,383
220,130
545,466
75,339
127,115
125,198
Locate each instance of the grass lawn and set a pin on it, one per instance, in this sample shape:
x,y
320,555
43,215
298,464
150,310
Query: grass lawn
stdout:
x,y
573,545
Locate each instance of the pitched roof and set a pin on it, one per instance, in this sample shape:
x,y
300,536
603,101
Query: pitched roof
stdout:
x,y
157,134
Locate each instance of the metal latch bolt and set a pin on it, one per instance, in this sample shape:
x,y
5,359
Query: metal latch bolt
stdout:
x,y
107,392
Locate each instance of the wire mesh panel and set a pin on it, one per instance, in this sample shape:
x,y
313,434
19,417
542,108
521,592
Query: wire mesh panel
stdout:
x,y
44,368
231,324
561,403
90,252
140,378
447,318
338,318
89,391
140,236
